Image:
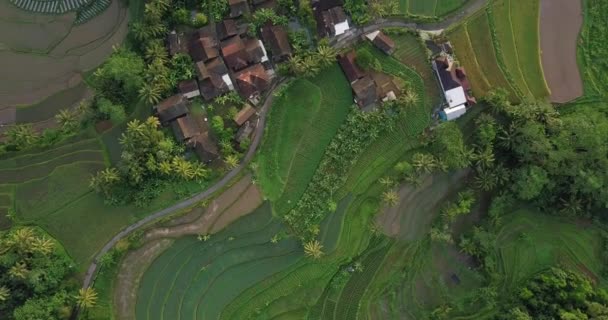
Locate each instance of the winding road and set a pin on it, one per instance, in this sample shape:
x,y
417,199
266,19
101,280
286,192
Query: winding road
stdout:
x,y
340,42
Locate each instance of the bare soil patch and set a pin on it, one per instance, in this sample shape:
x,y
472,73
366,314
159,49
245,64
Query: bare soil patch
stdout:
x,y
560,24
411,218
240,199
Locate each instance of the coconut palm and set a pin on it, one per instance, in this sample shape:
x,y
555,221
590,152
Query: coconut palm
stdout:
x,y
484,158
86,298
571,206
183,168
410,98
313,249
43,245
150,93
140,31
231,161
507,137
387,182
467,246
155,50
19,270
165,167
390,197
275,239
5,293
66,119
326,55
485,179
424,162
199,171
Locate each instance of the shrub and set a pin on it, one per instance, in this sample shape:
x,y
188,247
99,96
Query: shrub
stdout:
x,y
199,20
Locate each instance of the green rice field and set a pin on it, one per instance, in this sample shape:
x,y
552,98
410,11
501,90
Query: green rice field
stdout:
x,y
302,123
511,29
430,8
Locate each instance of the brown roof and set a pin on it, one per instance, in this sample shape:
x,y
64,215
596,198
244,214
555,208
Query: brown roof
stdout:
x,y
210,75
238,8
187,86
384,43
365,91
244,114
203,143
185,128
171,108
226,29
384,84
254,50
203,49
235,54
277,40
328,18
349,66
252,80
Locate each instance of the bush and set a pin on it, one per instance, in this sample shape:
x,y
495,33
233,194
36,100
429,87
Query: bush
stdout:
x,y
366,60
181,16
199,20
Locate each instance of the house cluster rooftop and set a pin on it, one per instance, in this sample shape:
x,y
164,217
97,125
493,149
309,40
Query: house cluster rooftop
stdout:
x,y
331,18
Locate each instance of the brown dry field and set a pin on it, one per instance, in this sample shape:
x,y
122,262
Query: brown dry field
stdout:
x,y
411,218
240,199
48,55
560,24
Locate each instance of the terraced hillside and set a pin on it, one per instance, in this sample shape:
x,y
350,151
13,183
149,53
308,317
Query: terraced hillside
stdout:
x,y
510,28
85,9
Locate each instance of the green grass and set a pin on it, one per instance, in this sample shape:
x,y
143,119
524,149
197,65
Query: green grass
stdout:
x,y
291,158
410,52
423,7
447,6
525,27
478,29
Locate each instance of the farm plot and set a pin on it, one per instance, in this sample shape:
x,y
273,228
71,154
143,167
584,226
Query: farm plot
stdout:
x,y
289,159
431,8
525,27
466,57
478,29
410,52
196,280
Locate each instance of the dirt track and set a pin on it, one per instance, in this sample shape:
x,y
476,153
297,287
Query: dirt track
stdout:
x,y
560,24
240,199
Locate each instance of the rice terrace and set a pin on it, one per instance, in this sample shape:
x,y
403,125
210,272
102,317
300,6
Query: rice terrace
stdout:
x,y
303,159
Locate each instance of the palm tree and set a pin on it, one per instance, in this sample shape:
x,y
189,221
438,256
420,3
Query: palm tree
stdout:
x,y
507,137
199,171
19,270
390,197
150,93
5,293
423,162
140,31
326,55
275,239
66,119
156,51
109,176
165,167
571,206
183,168
313,249
467,246
484,158
43,245
410,99
387,182
485,180
231,161
86,298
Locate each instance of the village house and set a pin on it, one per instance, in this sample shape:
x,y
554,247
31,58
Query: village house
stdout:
x,y
277,40
381,41
451,80
195,135
203,47
226,29
189,88
251,81
244,114
213,78
171,108
238,8
368,87
331,18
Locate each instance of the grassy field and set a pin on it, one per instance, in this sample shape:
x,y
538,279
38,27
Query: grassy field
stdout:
x,y
301,124
430,8
511,29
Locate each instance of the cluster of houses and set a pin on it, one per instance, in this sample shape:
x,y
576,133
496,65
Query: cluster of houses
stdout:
x,y
370,87
226,59
331,18
453,81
